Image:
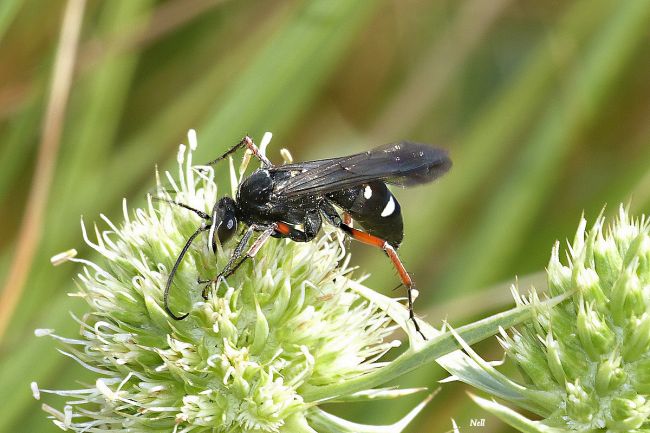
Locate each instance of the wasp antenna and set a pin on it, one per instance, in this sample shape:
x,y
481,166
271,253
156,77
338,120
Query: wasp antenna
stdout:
x,y
170,279
202,214
165,190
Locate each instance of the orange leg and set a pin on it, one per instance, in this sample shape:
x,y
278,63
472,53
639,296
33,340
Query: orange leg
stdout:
x,y
369,239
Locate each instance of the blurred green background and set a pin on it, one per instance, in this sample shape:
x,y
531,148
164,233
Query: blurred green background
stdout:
x,y
543,105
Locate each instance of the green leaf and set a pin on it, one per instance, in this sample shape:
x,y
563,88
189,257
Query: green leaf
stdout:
x,y
514,419
326,422
378,394
8,11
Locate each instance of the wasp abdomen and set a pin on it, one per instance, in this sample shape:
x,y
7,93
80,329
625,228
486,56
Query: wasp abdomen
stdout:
x,y
374,207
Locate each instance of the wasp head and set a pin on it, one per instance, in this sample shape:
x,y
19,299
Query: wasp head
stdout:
x,y
224,222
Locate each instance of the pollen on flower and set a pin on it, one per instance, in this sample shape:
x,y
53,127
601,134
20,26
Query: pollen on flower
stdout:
x,y
240,360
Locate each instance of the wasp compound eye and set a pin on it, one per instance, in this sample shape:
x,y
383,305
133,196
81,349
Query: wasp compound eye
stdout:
x,y
226,229
224,220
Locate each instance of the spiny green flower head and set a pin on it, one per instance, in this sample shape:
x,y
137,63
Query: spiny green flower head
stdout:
x,y
287,320
586,361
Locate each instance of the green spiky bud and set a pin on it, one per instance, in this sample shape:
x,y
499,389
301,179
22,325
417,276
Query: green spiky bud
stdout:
x,y
596,344
628,413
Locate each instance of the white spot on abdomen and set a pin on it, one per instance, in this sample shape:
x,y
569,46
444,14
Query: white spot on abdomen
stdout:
x,y
390,207
367,192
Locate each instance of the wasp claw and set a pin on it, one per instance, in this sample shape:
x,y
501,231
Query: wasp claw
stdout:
x,y
204,292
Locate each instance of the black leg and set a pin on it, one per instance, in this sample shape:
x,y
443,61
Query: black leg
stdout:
x,y
331,214
236,254
245,142
239,249
231,266
252,251
335,219
170,279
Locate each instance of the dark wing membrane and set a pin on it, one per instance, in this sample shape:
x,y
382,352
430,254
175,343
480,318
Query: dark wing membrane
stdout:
x,y
402,164
307,165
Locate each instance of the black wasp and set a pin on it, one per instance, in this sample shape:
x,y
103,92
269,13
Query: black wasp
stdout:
x,y
290,201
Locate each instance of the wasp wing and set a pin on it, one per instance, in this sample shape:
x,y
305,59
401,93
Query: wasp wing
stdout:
x,y
403,164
